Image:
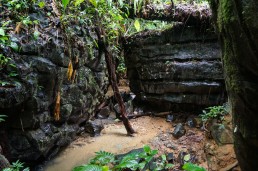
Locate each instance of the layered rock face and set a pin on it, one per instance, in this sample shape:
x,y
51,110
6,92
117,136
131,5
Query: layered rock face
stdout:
x,y
175,69
31,131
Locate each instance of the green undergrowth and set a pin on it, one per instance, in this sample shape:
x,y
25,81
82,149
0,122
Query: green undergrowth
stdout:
x,y
134,161
214,112
17,166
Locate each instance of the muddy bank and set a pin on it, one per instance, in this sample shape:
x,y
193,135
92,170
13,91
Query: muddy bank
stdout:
x,y
156,132
113,139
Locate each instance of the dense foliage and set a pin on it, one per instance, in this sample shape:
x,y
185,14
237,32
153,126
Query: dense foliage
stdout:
x,y
134,161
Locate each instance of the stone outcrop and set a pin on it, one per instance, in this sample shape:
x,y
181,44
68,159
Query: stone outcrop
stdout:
x,y
175,68
238,29
31,132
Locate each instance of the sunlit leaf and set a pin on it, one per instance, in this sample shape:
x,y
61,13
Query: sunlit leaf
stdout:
x,y
14,46
135,2
164,158
105,168
65,3
137,25
109,2
121,3
41,4
187,157
88,167
147,148
192,167
36,35
2,33
78,2
93,2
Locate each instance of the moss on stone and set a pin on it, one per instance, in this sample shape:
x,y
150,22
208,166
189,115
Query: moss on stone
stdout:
x,y
225,13
230,67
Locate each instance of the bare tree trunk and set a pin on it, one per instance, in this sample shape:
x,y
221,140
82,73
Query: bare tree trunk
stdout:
x,y
113,81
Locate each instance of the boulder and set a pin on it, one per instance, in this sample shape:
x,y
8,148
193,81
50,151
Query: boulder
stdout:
x,y
94,128
179,131
175,69
222,134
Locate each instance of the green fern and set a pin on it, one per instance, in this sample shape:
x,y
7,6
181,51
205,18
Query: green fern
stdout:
x,y
90,167
103,158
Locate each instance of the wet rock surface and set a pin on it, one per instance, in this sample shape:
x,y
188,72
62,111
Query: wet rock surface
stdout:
x,y
179,131
29,99
94,128
222,134
175,69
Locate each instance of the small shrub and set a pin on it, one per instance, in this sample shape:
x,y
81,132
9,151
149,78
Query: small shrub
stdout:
x,y
214,112
17,166
135,161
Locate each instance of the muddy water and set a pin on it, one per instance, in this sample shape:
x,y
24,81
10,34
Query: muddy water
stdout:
x,y
113,139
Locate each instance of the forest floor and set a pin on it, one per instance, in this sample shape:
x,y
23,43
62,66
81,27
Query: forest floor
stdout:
x,y
153,131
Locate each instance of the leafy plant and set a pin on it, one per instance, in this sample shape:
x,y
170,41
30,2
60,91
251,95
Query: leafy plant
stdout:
x,y
133,161
192,167
18,5
163,164
17,166
41,4
4,60
65,3
103,158
214,112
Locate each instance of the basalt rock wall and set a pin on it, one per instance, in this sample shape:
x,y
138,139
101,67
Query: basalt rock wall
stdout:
x,y
30,100
176,69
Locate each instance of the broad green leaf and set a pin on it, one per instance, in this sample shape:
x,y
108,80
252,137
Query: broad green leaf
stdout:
x,y
163,156
94,3
65,3
103,158
36,35
187,157
137,25
121,3
41,4
88,167
109,2
192,167
154,152
168,166
14,46
2,33
78,2
135,3
105,168
147,148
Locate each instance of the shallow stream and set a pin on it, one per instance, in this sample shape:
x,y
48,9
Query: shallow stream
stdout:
x,y
113,139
